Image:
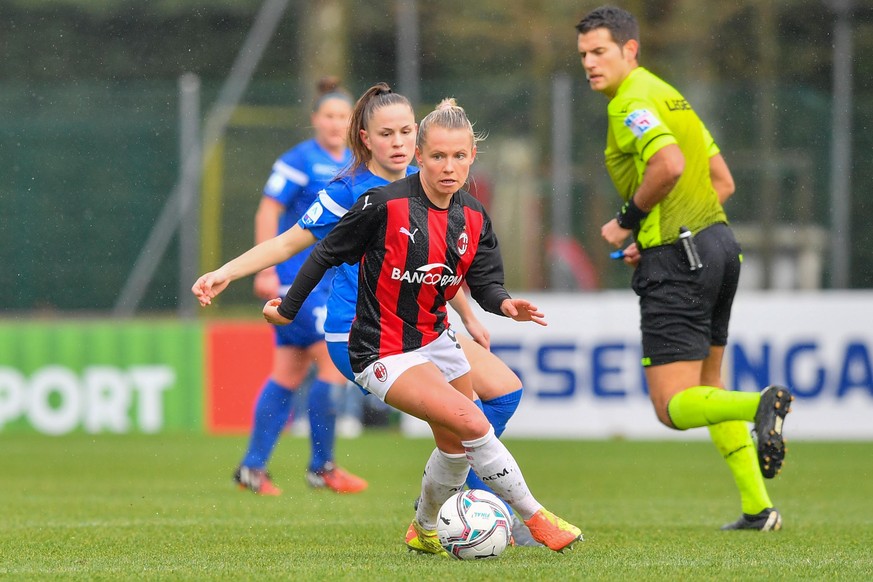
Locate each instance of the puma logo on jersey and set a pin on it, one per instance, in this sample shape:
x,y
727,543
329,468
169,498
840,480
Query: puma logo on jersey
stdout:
x,y
367,202
411,235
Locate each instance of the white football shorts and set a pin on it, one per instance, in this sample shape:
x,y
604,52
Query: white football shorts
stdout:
x,y
444,352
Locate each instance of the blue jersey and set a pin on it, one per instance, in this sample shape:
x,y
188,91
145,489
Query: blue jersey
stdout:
x,y
297,177
332,204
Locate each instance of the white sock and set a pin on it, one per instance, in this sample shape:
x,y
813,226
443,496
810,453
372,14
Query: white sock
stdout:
x,y
444,475
495,465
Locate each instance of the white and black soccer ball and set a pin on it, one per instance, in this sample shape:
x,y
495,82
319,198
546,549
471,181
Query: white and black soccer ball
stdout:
x,y
474,524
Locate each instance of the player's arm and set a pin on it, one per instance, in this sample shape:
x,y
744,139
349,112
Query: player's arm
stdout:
x,y
283,311
266,285
472,324
269,253
315,224
485,278
485,275
662,172
346,243
722,179
719,173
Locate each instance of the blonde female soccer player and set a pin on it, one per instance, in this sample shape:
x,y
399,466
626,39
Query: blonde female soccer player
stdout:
x,y
416,241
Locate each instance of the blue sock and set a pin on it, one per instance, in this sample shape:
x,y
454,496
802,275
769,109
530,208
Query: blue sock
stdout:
x,y
322,423
498,411
271,414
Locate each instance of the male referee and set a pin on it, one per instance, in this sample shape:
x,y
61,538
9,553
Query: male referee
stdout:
x,y
673,180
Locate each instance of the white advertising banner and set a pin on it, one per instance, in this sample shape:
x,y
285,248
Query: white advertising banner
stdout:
x,y
583,379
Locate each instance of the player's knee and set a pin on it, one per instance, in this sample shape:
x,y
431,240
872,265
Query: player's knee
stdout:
x,y
289,380
663,414
512,385
472,426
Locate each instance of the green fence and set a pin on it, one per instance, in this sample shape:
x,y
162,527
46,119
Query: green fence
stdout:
x,y
88,167
86,170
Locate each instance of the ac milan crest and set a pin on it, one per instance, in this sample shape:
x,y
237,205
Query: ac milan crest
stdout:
x,y
463,243
380,371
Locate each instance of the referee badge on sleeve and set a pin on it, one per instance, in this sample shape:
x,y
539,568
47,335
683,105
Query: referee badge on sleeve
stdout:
x,y
641,121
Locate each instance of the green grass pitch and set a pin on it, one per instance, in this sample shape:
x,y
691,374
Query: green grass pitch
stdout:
x,y
163,508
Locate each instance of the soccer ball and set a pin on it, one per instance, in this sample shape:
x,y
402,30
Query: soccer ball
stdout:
x,y
473,524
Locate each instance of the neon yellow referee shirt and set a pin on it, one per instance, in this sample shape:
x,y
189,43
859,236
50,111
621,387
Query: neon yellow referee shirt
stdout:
x,y
645,115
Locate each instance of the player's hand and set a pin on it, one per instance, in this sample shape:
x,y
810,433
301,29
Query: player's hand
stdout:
x,y
266,284
632,255
614,234
478,332
522,310
208,286
271,312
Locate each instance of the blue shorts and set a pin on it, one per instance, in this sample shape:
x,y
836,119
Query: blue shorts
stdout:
x,y
308,327
339,355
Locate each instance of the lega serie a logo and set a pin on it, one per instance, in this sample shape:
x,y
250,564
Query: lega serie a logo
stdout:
x,y
641,121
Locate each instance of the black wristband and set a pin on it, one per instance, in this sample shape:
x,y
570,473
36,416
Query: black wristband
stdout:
x,y
630,215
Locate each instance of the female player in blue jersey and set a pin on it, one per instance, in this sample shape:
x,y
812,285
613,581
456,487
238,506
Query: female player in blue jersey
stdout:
x,y
296,178
382,139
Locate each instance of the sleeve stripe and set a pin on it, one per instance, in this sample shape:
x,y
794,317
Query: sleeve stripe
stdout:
x,y
330,204
661,140
292,174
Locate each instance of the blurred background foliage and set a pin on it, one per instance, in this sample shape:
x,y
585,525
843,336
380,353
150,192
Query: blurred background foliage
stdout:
x,y
90,137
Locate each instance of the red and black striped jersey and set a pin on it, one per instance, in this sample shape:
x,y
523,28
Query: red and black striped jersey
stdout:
x,y
413,257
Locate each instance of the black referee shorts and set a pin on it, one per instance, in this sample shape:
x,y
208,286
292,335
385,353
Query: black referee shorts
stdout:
x,y
683,312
